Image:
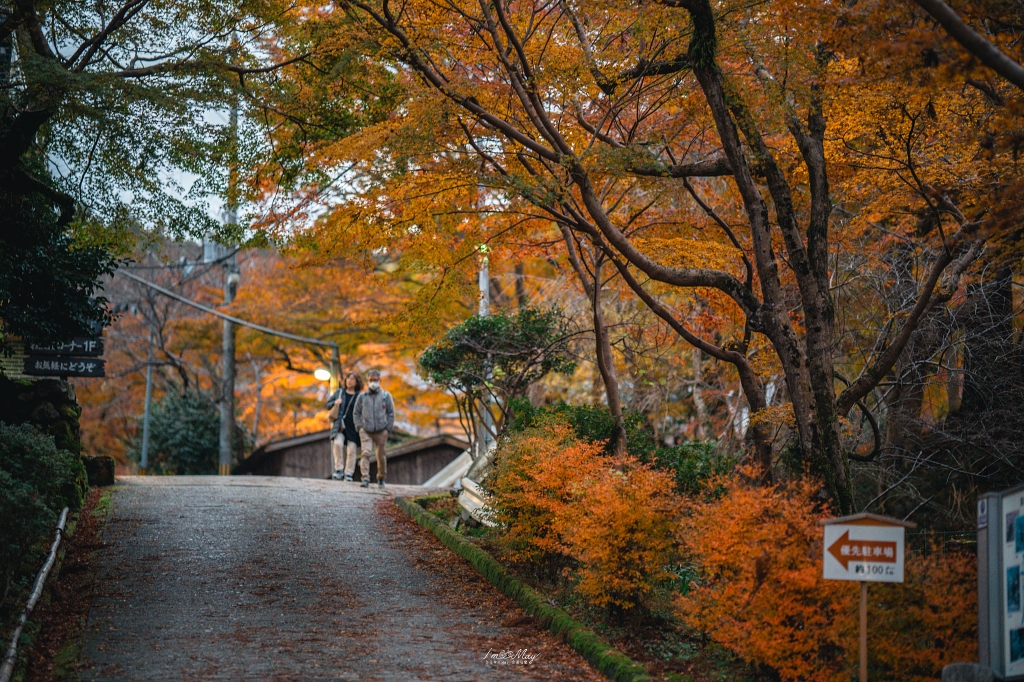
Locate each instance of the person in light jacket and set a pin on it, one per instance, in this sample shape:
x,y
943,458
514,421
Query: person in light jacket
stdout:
x,y
374,416
344,434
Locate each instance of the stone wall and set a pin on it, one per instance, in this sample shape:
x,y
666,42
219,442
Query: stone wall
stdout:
x,y
49,404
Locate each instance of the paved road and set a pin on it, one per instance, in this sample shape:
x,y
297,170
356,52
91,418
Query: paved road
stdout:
x,y
253,578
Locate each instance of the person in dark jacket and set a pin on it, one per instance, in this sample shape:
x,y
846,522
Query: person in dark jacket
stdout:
x,y
375,418
345,443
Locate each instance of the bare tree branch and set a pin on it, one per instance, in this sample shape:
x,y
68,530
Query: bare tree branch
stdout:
x,y
974,42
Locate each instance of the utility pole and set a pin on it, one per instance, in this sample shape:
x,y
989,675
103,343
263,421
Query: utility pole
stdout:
x,y
231,279
227,400
144,456
484,283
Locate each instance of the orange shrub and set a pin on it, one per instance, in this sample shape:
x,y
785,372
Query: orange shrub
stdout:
x,y
933,616
539,475
563,503
761,594
624,534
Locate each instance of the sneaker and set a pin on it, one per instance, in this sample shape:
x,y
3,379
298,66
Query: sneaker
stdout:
x,y
380,483
348,477
365,483
337,475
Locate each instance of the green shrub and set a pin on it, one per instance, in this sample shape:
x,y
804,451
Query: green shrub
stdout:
x,y
495,358
692,463
184,435
592,423
37,480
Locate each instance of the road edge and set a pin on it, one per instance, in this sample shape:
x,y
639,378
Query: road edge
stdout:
x,y
66,660
63,661
609,660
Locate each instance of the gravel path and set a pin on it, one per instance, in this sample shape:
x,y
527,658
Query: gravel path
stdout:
x,y
255,578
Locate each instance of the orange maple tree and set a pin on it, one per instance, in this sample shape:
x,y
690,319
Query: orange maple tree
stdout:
x,y
277,395
742,161
565,506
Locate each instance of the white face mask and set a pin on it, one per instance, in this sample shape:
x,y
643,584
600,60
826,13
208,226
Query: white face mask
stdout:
x,y
374,385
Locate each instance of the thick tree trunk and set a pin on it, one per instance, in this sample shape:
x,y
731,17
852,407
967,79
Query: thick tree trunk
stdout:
x,y
813,402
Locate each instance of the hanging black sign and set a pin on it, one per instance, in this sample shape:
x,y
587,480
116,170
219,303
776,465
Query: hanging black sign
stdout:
x,y
49,366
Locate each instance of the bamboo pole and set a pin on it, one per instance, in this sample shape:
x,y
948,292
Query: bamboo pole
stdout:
x,y
7,669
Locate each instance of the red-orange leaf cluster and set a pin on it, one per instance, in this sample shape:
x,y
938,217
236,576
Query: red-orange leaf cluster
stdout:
x,y
761,593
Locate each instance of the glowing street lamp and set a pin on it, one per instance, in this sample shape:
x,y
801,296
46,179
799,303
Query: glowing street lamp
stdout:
x,y
322,374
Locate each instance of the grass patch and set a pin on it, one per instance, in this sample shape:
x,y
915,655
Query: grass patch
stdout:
x,y
102,507
443,506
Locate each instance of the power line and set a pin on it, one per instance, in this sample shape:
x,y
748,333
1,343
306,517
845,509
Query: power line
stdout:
x,y
230,318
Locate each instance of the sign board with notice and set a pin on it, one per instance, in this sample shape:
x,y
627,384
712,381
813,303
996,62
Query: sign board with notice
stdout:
x,y
1001,582
79,357
78,346
63,366
865,548
1011,519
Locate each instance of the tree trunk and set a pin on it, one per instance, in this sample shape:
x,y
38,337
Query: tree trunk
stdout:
x,y
814,404
521,299
606,364
605,360
698,394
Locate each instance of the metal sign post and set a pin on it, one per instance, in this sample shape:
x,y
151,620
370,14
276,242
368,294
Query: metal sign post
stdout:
x,y
867,548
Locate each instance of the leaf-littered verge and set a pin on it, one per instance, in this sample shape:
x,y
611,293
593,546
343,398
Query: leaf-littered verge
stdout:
x,y
610,661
